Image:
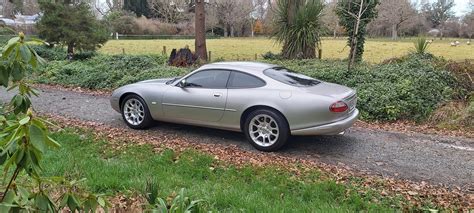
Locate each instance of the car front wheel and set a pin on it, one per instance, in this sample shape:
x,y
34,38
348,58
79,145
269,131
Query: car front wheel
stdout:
x,y
266,130
135,112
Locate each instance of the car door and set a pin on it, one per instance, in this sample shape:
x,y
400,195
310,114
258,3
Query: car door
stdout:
x,y
201,99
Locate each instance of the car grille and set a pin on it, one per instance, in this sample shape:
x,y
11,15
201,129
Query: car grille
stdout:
x,y
351,101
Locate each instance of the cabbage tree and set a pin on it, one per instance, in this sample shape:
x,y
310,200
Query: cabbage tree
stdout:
x,y
297,27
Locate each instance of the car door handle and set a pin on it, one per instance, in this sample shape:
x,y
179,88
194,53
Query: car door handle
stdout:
x,y
217,95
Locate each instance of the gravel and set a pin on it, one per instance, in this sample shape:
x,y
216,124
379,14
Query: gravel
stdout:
x,y
418,157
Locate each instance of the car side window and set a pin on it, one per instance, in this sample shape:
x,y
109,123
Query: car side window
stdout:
x,y
215,79
243,80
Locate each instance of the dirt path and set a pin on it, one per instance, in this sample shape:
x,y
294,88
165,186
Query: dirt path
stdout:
x,y
418,157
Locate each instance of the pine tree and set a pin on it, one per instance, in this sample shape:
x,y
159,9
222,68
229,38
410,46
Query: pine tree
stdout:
x,y
139,7
72,25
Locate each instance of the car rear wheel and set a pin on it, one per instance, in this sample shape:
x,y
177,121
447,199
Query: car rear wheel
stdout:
x,y
266,130
135,112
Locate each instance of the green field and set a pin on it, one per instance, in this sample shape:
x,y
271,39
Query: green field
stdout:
x,y
376,50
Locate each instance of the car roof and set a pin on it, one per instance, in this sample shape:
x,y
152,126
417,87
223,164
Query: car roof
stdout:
x,y
240,65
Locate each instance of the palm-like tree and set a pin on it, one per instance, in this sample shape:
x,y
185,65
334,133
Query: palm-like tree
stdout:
x,y
297,26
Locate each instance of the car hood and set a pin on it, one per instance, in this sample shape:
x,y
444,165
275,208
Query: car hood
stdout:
x,y
330,90
155,81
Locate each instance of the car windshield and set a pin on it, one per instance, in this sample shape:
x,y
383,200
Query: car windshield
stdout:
x,y
290,77
172,80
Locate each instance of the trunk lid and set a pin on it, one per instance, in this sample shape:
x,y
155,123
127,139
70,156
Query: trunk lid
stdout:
x,y
335,91
330,90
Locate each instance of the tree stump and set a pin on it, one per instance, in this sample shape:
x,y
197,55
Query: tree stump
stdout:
x,y
182,58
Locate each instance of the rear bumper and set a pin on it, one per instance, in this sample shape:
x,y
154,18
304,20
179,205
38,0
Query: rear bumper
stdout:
x,y
329,129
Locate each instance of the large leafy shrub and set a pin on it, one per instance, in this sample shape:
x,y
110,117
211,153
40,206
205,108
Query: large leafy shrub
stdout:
x,y
409,89
50,53
24,139
107,71
59,53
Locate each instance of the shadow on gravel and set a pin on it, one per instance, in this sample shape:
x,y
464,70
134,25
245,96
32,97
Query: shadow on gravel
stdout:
x,y
307,145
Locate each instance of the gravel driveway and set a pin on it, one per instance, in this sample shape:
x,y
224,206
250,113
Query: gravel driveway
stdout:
x,y
418,157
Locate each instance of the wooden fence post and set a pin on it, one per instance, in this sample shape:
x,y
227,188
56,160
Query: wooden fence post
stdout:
x,y
256,56
164,50
320,53
209,57
123,51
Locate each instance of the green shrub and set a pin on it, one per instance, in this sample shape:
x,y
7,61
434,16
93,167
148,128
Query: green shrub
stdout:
x,y
271,56
59,53
106,71
421,45
409,89
85,55
50,53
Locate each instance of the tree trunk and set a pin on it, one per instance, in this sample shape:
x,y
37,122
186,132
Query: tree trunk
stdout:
x,y
226,33
353,52
441,34
231,30
252,28
394,32
200,31
291,13
70,51
70,48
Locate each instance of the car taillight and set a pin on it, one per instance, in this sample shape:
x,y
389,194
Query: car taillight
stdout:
x,y
338,107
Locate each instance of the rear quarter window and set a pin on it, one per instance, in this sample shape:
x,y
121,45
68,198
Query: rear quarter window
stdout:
x,y
243,80
290,77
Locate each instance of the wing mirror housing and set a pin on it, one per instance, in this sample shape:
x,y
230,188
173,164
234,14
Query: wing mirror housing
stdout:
x,y
182,83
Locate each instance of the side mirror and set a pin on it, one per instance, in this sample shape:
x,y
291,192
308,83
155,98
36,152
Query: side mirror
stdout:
x,y
182,83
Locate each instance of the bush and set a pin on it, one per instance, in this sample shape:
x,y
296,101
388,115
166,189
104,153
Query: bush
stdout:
x,y
463,72
421,45
271,56
50,53
410,89
454,114
106,71
126,25
59,53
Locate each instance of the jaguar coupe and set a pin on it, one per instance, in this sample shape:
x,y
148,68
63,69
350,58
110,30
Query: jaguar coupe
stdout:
x,y
267,102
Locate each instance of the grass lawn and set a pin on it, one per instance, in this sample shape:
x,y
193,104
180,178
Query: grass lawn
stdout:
x,y
225,188
376,50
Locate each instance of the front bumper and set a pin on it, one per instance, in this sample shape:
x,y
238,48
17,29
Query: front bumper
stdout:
x,y
114,102
329,129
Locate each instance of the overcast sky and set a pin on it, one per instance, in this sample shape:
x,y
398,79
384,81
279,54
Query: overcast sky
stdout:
x,y
460,8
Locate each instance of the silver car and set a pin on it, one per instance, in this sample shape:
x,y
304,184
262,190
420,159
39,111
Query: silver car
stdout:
x,y
267,102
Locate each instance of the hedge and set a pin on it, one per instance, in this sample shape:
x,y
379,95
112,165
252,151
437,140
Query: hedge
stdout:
x,y
408,88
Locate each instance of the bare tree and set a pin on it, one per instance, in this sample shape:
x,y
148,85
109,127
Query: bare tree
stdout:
x,y
260,8
212,19
233,14
438,13
8,9
468,22
103,7
30,7
200,30
171,11
395,13
330,18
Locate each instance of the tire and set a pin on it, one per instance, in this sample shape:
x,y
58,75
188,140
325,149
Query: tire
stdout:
x,y
266,130
135,112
